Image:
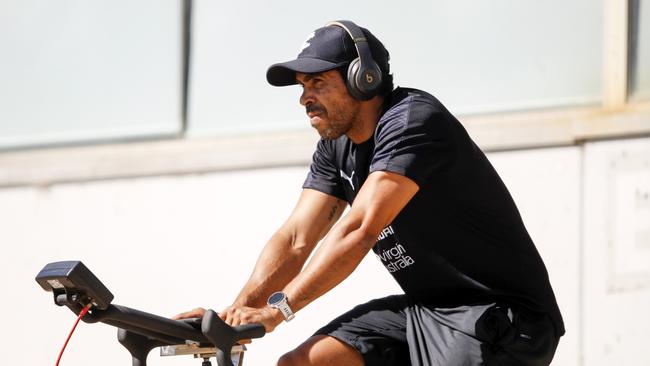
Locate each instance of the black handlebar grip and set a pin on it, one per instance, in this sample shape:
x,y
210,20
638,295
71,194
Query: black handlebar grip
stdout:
x,y
249,331
224,336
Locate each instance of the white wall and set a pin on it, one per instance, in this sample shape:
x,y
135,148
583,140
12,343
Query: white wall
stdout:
x,y
616,232
168,244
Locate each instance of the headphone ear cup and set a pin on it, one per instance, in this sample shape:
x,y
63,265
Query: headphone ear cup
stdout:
x,y
363,84
351,82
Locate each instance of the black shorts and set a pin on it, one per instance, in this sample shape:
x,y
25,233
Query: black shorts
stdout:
x,y
395,331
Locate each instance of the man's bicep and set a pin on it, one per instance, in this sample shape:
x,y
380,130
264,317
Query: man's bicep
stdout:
x,y
314,215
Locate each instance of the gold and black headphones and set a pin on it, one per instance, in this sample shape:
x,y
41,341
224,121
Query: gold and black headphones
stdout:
x,y
364,75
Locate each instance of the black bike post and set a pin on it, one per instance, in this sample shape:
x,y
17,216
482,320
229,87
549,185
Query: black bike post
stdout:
x,y
138,345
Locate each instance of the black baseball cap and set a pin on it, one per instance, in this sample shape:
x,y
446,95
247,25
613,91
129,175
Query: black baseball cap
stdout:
x,y
327,48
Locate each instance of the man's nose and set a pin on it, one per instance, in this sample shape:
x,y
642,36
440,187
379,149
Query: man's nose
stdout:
x,y
306,98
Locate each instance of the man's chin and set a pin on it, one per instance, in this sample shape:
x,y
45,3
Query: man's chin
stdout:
x,y
329,135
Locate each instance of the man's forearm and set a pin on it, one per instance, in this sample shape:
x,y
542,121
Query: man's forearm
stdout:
x,y
336,258
280,261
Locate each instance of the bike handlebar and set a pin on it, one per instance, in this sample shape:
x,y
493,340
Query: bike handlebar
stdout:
x,y
74,286
140,332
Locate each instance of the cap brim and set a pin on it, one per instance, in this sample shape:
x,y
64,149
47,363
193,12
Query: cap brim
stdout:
x,y
284,73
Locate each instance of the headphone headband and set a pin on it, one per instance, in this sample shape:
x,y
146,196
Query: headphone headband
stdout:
x,y
353,30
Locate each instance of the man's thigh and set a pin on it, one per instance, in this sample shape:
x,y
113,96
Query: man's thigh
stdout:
x,y
490,335
444,336
394,331
376,329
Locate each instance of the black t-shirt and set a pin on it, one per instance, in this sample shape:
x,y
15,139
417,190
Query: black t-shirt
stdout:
x,y
460,240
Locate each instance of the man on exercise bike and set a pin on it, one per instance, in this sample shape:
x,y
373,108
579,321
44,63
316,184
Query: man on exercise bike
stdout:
x,y
429,204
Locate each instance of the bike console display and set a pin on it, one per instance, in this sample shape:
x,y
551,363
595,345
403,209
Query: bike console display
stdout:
x,y
74,285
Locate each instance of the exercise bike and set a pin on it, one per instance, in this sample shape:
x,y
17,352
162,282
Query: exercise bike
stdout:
x,y
76,287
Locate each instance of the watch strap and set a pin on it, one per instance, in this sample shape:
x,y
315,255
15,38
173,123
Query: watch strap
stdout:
x,y
285,310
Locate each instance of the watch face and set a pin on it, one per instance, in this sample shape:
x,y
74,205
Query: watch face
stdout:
x,y
276,298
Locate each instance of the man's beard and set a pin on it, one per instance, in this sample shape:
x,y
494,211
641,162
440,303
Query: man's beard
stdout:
x,y
335,129
338,123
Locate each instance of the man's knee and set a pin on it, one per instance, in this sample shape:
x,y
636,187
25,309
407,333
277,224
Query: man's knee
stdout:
x,y
322,350
295,357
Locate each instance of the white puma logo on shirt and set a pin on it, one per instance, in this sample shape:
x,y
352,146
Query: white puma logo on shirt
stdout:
x,y
349,179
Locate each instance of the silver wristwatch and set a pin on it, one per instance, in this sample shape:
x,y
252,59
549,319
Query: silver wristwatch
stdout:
x,y
278,300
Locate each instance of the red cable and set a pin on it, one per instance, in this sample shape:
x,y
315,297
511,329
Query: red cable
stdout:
x,y
81,315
